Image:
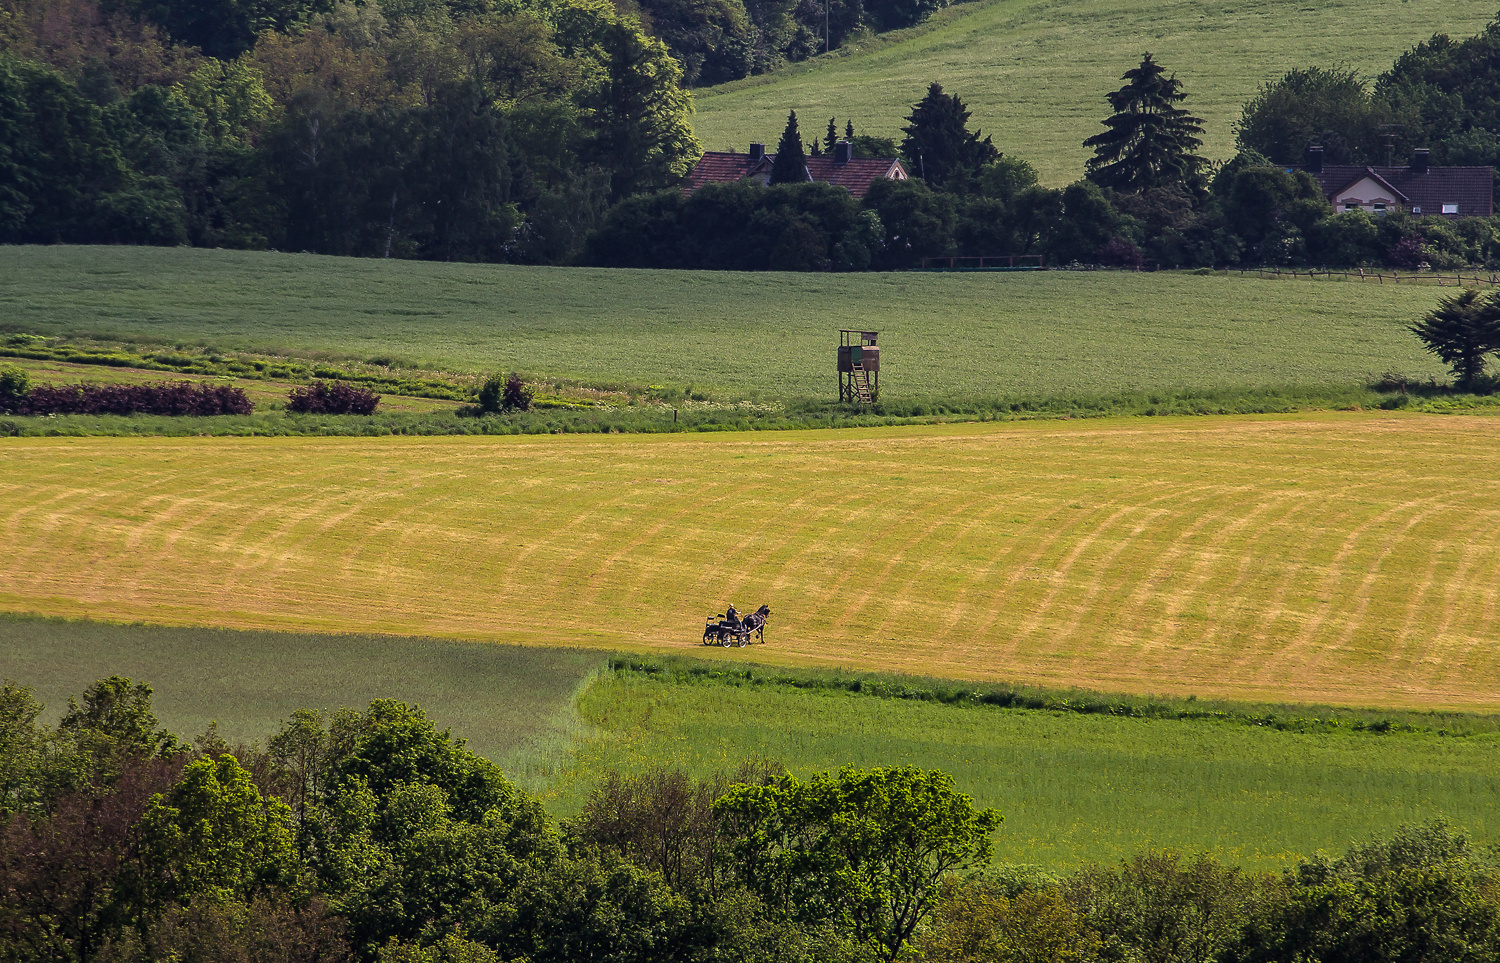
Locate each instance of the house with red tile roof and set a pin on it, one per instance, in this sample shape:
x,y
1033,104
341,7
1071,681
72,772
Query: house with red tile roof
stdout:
x,y
855,174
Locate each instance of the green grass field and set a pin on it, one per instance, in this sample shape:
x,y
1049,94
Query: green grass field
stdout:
x,y
1035,72
767,336
1349,559
514,705
1072,788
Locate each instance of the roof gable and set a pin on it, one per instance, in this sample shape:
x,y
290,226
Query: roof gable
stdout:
x,y
1368,185
855,175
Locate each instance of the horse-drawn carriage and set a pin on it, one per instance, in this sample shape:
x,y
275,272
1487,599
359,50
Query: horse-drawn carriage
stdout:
x,y
729,629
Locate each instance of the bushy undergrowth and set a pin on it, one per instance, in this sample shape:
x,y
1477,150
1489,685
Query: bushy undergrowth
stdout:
x,y
547,419
332,398
169,399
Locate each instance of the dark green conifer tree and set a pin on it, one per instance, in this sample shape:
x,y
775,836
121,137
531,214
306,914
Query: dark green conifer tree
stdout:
x,y
830,138
939,147
790,166
1150,141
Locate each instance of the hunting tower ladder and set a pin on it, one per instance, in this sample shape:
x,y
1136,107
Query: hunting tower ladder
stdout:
x,y
859,366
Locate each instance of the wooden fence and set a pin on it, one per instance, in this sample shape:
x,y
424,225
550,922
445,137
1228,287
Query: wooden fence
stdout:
x,y
1457,279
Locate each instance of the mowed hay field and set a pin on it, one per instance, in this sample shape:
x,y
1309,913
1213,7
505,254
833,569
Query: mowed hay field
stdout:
x,y
771,336
1342,558
1034,72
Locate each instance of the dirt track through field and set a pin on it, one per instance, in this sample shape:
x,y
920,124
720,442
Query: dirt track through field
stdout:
x,y
1347,558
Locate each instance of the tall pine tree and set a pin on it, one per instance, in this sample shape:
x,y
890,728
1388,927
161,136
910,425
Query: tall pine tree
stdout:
x,y
1150,141
790,166
939,147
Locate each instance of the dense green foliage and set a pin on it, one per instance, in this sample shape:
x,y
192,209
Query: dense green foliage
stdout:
x,y
1441,94
375,836
462,132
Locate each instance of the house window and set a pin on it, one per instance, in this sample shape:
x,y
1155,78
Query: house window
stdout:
x,y
1379,207
1351,205
1450,208
1416,208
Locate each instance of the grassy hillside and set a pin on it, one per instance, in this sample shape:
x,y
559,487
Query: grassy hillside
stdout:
x,y
767,335
1035,72
513,704
1072,788
1350,559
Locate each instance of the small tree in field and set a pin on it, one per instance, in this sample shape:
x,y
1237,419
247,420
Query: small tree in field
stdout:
x,y
1462,331
505,394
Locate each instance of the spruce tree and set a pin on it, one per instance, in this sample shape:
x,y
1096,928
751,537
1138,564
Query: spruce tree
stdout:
x,y
831,138
939,147
1150,141
849,130
790,166
1462,331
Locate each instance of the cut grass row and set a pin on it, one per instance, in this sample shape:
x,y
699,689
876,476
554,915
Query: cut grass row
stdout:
x,y
1035,72
767,337
1350,559
1073,788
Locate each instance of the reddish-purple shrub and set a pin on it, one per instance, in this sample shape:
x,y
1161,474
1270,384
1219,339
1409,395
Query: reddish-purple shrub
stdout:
x,y
160,398
332,398
1118,253
1409,252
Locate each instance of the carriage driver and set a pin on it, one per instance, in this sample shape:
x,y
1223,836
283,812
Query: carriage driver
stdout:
x,y
732,617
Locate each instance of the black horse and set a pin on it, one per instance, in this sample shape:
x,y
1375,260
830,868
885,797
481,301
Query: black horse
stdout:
x,y
756,622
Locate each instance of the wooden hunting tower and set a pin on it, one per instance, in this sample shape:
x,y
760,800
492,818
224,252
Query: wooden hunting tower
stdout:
x,y
859,366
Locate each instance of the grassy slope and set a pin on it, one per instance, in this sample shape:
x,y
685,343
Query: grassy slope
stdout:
x,y
1350,559
1072,788
772,335
514,705
1034,72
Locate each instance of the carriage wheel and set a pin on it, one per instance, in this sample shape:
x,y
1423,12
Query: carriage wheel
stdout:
x,y
724,640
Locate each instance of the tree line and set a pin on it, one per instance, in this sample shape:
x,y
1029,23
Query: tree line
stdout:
x,y
455,131
555,131
373,836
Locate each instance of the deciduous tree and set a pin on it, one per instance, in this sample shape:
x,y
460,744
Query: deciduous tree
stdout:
x,y
866,849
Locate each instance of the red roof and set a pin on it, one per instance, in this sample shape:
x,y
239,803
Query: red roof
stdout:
x,y
855,174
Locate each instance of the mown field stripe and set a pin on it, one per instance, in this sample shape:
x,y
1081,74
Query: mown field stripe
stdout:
x,y
1343,558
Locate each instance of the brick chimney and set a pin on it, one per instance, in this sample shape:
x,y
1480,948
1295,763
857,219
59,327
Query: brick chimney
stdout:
x,y
757,151
842,151
1419,160
1314,163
